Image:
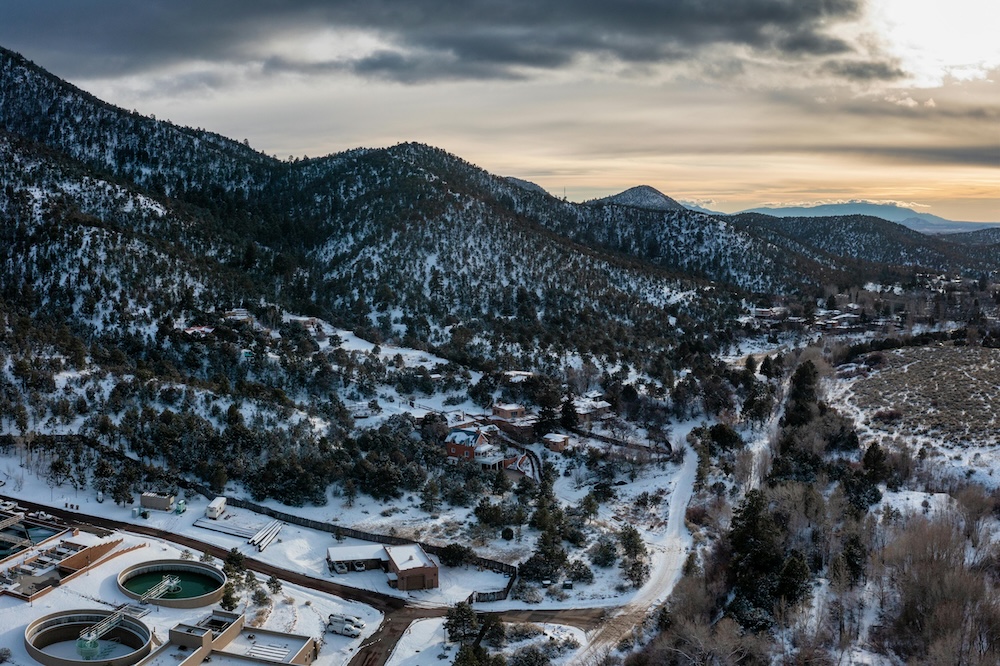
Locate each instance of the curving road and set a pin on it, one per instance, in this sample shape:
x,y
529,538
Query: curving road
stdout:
x,y
667,556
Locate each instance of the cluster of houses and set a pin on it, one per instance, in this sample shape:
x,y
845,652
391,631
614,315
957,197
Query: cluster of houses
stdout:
x,y
484,440
849,320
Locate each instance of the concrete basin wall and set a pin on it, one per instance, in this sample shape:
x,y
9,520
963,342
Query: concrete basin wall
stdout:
x,y
67,625
176,567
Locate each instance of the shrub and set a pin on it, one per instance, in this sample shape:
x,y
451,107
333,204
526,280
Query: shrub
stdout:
x,y
522,631
454,555
526,593
579,572
697,514
604,553
529,656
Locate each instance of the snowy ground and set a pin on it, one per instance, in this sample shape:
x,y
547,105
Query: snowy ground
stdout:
x,y
305,550
390,401
424,642
294,610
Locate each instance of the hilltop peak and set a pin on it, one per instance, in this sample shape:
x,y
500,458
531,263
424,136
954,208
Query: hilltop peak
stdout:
x,y
642,196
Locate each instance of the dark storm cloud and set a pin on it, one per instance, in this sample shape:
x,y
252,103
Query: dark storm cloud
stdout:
x,y
813,43
425,39
964,155
970,155
860,70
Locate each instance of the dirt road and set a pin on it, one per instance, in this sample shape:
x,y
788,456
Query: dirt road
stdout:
x,y
667,554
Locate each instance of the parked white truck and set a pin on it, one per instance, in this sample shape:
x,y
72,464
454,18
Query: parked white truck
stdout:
x,y
339,618
343,628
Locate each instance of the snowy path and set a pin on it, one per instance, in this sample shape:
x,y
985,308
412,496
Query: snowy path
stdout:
x,y
667,555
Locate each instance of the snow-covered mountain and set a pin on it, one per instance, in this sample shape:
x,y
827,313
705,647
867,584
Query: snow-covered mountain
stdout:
x,y
406,242
867,239
642,196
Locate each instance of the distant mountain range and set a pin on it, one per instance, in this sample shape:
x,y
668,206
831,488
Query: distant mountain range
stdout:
x,y
925,223
649,198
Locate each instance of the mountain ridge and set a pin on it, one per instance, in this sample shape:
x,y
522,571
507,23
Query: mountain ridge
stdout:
x,y
892,212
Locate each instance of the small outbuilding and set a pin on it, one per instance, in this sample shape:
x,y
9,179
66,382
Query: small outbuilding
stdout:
x,y
509,411
407,566
158,501
412,568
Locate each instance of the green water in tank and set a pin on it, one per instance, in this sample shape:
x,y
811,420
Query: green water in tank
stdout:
x,y
193,584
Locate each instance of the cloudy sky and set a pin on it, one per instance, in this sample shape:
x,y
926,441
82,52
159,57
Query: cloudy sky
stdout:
x,y
727,103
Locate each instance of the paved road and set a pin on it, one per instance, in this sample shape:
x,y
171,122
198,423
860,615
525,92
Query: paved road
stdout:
x,y
375,651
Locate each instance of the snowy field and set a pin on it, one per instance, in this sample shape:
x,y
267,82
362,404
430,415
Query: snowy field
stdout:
x,y
942,400
661,524
304,550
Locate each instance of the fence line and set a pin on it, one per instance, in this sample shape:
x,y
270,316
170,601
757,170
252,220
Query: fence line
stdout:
x,y
7,441
388,539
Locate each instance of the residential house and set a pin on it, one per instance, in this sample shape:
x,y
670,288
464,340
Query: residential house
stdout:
x,y
474,445
556,442
410,568
590,409
509,411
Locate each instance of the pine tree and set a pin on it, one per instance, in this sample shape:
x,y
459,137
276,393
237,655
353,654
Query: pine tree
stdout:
x,y
430,496
756,557
461,622
569,419
631,541
350,493
229,600
501,483
260,597
793,581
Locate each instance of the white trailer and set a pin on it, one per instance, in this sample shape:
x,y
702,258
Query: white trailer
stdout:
x,y
216,508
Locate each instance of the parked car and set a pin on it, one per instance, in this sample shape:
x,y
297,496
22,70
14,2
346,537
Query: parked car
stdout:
x,y
360,566
340,567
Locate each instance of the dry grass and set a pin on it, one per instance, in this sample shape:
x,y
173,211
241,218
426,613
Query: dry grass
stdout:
x,y
950,393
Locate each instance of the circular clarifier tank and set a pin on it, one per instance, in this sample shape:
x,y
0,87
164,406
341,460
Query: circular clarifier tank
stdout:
x,y
118,640
175,583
